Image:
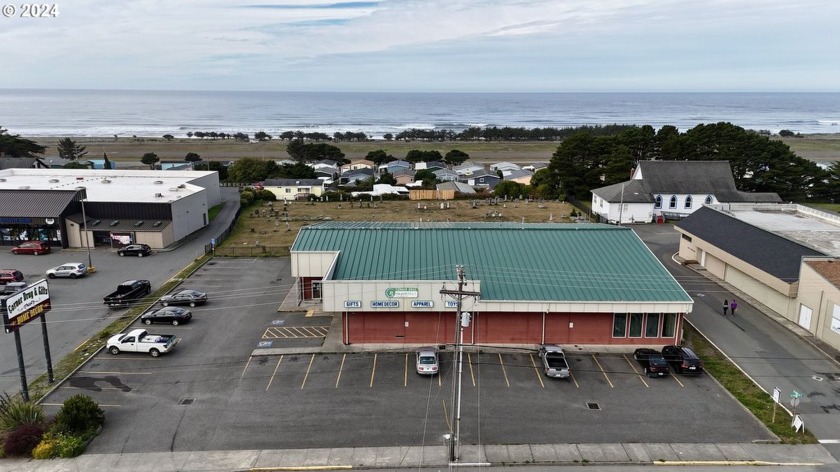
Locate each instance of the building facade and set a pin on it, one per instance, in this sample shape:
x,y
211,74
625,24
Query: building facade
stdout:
x,y
537,283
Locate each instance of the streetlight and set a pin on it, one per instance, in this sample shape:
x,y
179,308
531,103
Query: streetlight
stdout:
x,y
84,224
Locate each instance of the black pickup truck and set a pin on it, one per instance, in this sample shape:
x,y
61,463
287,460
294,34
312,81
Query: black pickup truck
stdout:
x,y
128,292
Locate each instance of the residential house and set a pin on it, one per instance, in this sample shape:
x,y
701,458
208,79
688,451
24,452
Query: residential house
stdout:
x,y
535,166
383,189
403,176
294,189
392,166
446,175
356,165
459,187
468,168
353,177
327,173
483,179
670,190
505,167
520,176
431,165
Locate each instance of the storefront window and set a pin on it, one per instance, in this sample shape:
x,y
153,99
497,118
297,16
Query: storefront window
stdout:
x,y
669,325
636,325
652,326
620,325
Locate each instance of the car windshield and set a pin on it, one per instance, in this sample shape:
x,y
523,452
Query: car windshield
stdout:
x,y
427,359
657,361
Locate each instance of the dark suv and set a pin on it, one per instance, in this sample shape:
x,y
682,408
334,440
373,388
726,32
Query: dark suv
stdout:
x,y
683,360
652,361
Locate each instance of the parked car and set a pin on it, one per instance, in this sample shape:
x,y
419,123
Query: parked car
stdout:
x,y
139,250
184,297
683,360
173,315
10,275
554,361
32,247
427,360
652,361
68,269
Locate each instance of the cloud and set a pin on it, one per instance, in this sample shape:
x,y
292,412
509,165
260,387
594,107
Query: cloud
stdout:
x,y
421,44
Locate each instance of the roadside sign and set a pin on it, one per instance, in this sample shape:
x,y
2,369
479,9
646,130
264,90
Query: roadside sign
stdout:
x,y
777,394
797,423
794,402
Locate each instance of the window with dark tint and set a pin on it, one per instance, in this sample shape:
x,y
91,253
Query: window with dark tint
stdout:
x,y
620,325
669,325
636,325
652,326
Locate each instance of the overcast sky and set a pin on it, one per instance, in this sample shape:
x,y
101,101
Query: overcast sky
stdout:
x,y
427,45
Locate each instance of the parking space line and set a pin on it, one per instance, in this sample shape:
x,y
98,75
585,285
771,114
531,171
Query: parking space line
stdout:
x,y
308,368
602,370
246,367
339,369
469,363
405,374
572,376
446,416
633,366
674,376
373,370
504,371
113,373
274,373
537,370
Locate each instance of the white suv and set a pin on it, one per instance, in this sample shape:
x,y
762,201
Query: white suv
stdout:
x,y
68,269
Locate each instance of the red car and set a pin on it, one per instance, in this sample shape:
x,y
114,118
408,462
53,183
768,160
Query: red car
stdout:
x,y
32,247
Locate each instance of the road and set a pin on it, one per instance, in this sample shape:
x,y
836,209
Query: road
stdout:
x,y
771,354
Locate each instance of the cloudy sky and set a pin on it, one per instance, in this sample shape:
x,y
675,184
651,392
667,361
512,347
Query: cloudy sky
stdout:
x,y
426,45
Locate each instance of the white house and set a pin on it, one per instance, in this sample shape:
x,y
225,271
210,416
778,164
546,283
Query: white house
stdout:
x,y
671,190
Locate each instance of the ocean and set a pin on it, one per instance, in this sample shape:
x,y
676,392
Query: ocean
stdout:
x,y
105,113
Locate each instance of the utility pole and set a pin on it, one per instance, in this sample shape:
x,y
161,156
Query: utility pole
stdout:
x,y
462,320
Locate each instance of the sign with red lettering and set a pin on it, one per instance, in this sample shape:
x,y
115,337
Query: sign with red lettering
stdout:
x,y
25,305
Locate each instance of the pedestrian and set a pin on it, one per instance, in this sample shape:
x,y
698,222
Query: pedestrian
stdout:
x,y
725,306
733,306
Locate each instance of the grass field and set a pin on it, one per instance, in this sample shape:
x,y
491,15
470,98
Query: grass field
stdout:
x,y
278,230
128,151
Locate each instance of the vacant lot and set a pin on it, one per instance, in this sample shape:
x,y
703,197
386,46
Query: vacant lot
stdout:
x,y
278,224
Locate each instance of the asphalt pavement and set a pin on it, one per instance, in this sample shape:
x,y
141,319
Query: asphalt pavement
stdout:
x,y
746,335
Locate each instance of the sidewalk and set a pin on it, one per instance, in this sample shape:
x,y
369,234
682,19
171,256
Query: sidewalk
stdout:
x,y
434,456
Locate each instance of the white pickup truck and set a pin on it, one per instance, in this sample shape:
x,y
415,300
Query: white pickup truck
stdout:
x,y
139,340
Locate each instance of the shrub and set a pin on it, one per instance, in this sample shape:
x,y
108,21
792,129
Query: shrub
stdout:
x,y
266,195
23,439
14,412
70,445
78,415
47,448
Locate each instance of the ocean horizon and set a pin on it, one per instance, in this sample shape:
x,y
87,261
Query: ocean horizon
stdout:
x,y
146,113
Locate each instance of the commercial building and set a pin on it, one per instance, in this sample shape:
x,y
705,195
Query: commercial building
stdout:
x,y
535,283
783,255
107,207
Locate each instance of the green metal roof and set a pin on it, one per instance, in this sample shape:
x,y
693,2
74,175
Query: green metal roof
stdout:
x,y
539,262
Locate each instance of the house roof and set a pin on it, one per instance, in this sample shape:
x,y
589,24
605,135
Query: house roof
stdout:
x,y
585,262
683,178
456,186
775,255
518,174
829,269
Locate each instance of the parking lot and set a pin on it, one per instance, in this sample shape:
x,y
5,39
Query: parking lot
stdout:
x,y
211,393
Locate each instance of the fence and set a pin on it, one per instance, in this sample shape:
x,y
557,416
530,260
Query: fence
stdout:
x,y
249,251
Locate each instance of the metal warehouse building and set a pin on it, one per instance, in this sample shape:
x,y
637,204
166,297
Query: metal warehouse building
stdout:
x,y
120,207
538,283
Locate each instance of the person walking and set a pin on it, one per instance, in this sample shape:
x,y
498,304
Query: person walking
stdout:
x,y
733,306
725,306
